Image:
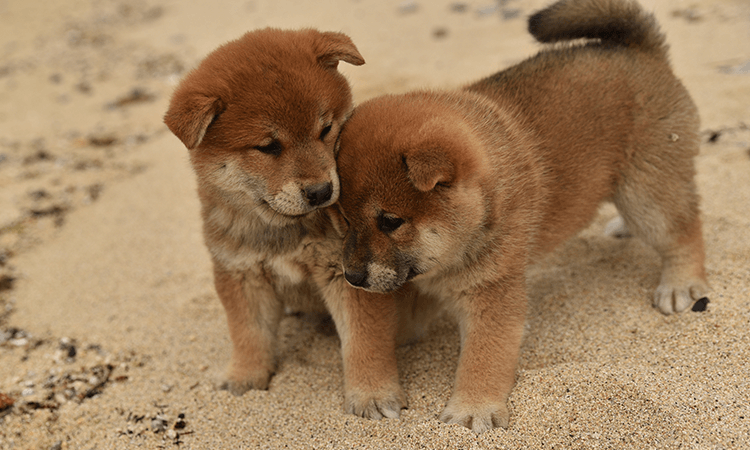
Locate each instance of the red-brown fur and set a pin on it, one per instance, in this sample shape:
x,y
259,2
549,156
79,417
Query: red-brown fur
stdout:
x,y
459,191
261,117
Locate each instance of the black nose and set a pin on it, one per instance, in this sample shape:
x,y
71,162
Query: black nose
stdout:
x,y
318,194
356,278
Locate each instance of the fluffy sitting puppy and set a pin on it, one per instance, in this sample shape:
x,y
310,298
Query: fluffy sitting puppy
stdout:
x,y
261,117
458,191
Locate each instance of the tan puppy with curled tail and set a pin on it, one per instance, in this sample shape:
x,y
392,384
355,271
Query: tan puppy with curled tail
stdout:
x,y
459,191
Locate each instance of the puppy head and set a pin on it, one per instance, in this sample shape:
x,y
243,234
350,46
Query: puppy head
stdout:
x,y
410,168
261,117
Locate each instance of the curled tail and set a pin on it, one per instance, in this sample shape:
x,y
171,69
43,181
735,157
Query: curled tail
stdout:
x,y
618,22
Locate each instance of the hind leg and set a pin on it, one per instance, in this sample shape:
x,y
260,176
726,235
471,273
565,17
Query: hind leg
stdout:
x,y
664,212
683,277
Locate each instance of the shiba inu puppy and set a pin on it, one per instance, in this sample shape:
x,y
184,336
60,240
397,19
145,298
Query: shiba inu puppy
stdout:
x,y
261,118
458,191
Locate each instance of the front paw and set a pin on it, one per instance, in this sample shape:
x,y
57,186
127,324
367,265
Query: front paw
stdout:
x,y
478,418
675,297
387,403
238,384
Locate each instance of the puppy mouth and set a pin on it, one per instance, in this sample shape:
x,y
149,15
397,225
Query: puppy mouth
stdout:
x,y
285,214
293,205
272,214
397,284
386,287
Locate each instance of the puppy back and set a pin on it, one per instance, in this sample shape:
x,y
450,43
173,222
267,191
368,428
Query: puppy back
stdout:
x,y
614,22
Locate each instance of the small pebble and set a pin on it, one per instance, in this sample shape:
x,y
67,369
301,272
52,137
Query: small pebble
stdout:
x,y
510,14
408,6
459,7
700,305
158,424
5,401
180,423
83,87
19,342
487,10
440,33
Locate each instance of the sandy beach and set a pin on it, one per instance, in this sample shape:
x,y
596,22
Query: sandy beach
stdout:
x,y
111,333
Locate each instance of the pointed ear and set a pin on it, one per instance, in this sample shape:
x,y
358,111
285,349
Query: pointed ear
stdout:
x,y
333,47
427,168
190,114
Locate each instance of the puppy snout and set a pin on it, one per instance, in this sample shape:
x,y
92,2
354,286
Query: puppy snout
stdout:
x,y
357,278
318,194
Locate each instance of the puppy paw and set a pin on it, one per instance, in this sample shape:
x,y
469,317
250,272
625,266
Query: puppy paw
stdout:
x,y
617,228
478,418
238,386
672,298
376,406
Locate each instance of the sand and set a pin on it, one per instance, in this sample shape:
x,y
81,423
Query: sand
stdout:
x,y
111,335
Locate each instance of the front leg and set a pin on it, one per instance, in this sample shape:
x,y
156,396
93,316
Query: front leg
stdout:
x,y
491,321
367,324
253,315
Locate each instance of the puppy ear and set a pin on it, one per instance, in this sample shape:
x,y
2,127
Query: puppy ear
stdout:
x,y
427,168
333,47
190,114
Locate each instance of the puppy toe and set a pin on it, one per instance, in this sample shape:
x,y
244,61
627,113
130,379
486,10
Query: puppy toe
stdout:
x,y
238,386
682,300
478,419
699,291
670,299
234,388
376,406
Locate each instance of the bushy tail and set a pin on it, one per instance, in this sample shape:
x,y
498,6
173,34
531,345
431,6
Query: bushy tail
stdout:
x,y
618,22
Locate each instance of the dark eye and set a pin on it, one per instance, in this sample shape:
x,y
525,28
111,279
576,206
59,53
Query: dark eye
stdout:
x,y
389,223
324,132
274,148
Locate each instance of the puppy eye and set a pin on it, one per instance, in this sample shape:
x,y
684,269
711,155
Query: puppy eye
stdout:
x,y
273,148
324,132
388,223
